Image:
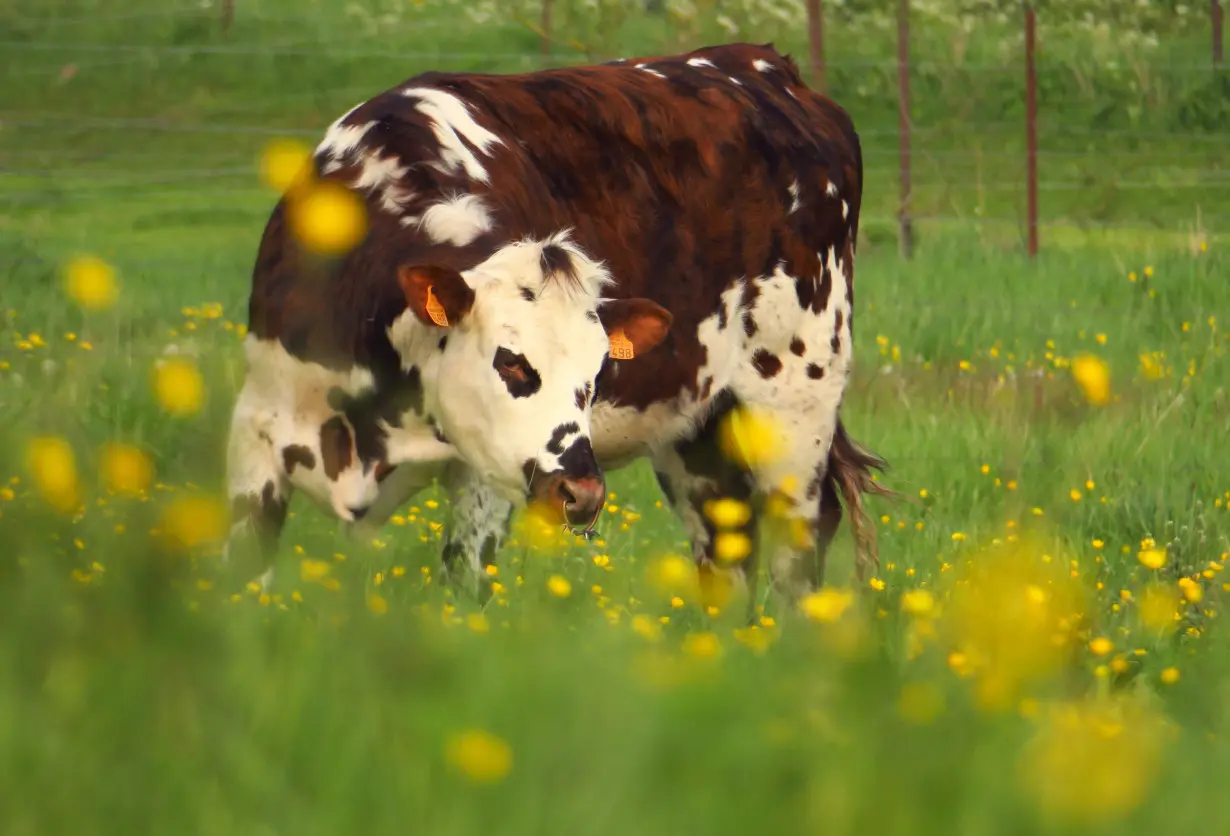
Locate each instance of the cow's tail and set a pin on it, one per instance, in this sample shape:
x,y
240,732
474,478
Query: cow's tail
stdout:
x,y
849,473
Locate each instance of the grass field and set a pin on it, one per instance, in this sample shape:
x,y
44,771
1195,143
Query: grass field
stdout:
x,y
1041,650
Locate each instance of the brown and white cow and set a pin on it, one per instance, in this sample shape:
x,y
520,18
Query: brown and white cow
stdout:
x,y
621,255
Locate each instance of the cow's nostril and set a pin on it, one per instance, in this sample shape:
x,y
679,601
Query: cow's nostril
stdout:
x,y
566,494
359,513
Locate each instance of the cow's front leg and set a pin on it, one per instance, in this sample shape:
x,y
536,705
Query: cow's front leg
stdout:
x,y
713,498
259,494
476,530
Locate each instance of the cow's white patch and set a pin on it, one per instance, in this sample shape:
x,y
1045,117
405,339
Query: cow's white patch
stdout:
x,y
735,81
451,122
648,69
700,62
340,139
795,203
455,220
381,175
831,189
762,65
845,210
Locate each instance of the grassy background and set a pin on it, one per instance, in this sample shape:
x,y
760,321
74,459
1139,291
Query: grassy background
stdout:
x,y
141,691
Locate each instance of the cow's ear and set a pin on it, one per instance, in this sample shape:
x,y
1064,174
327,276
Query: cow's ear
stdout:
x,y
437,295
634,326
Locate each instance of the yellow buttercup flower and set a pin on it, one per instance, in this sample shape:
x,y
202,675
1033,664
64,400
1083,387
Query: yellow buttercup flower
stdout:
x,y
827,605
480,756
192,521
90,282
1092,375
328,218
179,387
727,512
54,467
731,546
126,469
750,437
285,163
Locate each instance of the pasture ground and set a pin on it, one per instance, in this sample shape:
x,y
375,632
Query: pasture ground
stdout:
x,y
1016,665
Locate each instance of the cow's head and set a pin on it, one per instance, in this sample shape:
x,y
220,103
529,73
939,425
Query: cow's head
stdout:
x,y
509,352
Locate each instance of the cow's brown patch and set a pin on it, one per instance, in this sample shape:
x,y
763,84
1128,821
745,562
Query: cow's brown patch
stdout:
x,y
335,446
766,363
297,454
797,347
815,372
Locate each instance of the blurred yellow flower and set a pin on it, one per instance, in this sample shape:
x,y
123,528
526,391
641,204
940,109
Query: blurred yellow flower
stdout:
x,y
731,546
328,218
377,604
1170,676
1011,614
312,570
749,437
827,605
480,756
1094,762
178,385
672,575
559,586
918,602
126,469
1157,606
538,527
727,512
285,163
90,282
193,520
702,645
1092,375
54,467
1101,646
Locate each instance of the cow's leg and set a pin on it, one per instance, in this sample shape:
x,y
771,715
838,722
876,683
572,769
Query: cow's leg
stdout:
x,y
476,529
258,490
694,475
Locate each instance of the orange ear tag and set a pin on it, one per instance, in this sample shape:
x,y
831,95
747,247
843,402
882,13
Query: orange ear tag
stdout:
x,y
435,310
621,346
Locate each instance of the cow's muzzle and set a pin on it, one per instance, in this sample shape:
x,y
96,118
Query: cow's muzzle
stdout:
x,y
579,500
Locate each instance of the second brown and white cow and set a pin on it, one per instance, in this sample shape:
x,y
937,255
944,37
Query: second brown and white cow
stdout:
x,y
568,270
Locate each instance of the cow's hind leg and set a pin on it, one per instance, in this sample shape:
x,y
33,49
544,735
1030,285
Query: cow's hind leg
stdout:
x,y
259,494
713,497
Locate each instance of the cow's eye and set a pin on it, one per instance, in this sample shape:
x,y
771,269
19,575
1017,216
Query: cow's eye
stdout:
x,y
510,366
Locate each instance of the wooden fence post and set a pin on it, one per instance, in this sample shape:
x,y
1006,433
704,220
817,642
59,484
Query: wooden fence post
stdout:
x,y
545,33
1031,130
906,236
815,32
1217,24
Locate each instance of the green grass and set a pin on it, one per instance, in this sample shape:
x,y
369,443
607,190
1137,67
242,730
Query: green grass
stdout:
x,y
143,690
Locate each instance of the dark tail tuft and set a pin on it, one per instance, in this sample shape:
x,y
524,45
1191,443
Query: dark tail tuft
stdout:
x,y
849,471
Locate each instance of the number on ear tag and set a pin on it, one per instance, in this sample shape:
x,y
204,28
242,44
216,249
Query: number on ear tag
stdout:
x,y
621,346
435,310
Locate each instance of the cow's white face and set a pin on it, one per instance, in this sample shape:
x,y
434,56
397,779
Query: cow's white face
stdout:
x,y
509,362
